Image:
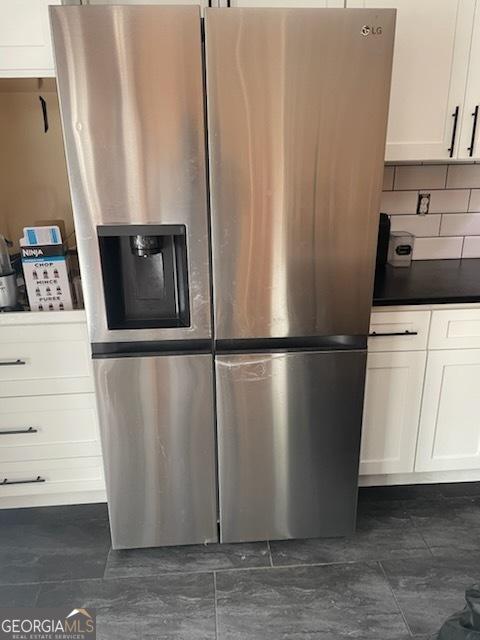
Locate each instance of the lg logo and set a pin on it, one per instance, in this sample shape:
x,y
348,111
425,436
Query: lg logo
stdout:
x,y
366,30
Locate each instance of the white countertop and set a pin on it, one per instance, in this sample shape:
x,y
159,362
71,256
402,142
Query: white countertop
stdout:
x,y
42,317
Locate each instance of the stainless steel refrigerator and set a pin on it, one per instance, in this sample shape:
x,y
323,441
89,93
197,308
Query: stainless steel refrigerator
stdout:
x,y
228,322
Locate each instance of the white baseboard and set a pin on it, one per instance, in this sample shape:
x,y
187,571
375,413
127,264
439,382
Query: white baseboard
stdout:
x,y
49,500
431,477
89,497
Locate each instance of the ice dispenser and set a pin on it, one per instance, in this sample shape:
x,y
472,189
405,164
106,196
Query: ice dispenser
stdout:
x,y
145,276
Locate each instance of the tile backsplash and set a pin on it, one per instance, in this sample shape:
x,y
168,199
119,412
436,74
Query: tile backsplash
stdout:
x,y
451,228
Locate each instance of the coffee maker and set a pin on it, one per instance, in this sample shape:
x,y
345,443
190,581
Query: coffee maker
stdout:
x,y
8,278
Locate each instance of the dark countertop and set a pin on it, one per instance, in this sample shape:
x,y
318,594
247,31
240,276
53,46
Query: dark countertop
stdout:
x,y
429,282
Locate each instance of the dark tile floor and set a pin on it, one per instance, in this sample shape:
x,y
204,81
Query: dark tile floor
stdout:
x,y
400,576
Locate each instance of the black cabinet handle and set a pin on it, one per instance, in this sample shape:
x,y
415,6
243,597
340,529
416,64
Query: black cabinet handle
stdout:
x,y
374,334
43,104
9,432
11,363
35,480
474,130
454,131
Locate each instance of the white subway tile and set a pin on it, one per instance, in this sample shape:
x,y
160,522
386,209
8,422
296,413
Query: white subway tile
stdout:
x,y
428,225
421,177
437,248
398,202
471,247
474,200
449,201
388,174
460,176
460,224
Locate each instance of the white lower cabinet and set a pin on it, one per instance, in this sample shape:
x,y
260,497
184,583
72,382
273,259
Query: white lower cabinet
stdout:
x,y
449,435
421,418
48,482
48,427
393,396
50,449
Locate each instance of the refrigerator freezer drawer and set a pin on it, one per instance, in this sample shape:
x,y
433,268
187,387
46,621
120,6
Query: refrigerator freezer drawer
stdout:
x,y
157,428
288,436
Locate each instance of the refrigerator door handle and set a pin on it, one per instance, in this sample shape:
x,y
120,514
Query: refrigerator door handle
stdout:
x,y
305,343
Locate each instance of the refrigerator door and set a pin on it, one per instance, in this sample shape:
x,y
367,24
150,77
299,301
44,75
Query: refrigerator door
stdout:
x,y
130,84
297,113
157,428
288,440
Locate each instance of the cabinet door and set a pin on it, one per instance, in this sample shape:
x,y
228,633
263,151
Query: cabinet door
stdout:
x,y
393,395
469,145
449,436
282,3
430,63
25,45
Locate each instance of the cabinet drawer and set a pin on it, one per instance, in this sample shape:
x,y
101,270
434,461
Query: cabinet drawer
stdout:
x,y
455,329
51,476
44,359
45,427
399,331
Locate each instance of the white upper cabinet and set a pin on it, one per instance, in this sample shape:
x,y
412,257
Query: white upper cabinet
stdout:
x,y
430,64
282,3
469,143
25,45
25,42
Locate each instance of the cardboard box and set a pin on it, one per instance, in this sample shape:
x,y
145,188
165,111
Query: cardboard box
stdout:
x,y
46,277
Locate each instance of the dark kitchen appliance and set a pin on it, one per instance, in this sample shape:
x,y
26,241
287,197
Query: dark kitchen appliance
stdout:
x,y
8,278
383,240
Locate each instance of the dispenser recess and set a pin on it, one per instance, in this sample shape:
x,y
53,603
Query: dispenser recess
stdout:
x,y
145,279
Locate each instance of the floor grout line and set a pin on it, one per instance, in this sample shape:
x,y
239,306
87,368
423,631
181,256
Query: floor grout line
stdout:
x,y
270,553
419,531
395,597
215,603
37,596
106,563
275,567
